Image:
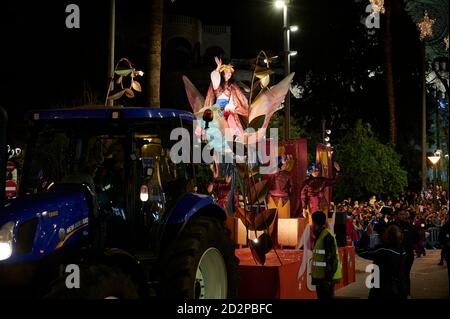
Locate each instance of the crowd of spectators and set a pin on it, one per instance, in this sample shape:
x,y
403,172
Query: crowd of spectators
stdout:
x,y
392,232
427,213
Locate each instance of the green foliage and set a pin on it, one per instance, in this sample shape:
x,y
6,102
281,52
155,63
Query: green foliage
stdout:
x,y
367,166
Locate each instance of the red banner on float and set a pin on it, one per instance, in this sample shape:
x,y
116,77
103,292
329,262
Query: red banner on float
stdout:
x,y
324,157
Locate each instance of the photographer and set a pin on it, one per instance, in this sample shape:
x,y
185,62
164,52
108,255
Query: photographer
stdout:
x,y
389,256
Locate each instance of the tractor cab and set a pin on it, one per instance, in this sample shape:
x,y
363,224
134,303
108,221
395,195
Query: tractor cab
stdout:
x,y
120,158
99,186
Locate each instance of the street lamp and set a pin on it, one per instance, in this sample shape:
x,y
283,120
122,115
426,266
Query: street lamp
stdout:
x,y
279,4
287,61
326,134
112,43
434,160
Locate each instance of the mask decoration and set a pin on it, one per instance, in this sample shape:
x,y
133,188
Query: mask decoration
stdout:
x,y
312,168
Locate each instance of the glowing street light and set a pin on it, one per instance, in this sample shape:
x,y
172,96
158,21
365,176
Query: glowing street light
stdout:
x,y
279,4
326,134
293,28
434,160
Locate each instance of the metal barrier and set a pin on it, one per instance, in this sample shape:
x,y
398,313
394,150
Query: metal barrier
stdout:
x,y
432,237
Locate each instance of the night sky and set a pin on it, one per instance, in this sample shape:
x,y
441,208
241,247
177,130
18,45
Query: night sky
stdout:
x,y
47,65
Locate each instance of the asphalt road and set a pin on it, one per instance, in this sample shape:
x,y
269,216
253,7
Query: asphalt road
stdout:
x,y
428,280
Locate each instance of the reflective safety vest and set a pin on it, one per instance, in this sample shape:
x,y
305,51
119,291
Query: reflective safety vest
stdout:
x,y
318,258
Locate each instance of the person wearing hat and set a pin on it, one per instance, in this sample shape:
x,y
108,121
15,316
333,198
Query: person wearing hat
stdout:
x,y
312,191
280,186
326,268
227,95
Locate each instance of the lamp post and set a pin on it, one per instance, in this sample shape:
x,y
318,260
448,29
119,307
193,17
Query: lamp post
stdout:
x,y
440,69
434,160
112,34
280,4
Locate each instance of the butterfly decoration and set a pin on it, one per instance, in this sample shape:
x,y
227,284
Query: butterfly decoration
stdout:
x,y
249,130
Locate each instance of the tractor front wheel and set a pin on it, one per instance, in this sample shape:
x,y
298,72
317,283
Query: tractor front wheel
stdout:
x,y
96,282
201,263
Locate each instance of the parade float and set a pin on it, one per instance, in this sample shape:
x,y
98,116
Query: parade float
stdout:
x,y
265,185
157,216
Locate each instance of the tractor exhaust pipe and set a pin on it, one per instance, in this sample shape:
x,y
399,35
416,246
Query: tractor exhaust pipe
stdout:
x,y
3,152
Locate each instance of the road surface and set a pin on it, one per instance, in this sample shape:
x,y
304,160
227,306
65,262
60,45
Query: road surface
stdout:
x,y
428,280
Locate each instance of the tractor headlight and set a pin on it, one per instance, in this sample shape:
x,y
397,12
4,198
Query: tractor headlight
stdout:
x,y
6,239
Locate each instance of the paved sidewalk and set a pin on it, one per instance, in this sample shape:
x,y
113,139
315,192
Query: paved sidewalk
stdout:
x,y
428,280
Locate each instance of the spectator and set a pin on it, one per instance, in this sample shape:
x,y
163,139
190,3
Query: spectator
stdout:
x,y
444,242
419,224
435,221
410,238
390,258
444,238
374,213
444,198
374,231
359,232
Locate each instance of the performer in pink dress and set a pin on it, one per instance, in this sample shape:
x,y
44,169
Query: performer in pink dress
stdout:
x,y
225,93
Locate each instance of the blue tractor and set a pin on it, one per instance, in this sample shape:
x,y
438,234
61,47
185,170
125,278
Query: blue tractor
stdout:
x,y
103,211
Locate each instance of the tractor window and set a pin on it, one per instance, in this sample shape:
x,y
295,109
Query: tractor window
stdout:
x,y
164,180
109,175
68,154
50,159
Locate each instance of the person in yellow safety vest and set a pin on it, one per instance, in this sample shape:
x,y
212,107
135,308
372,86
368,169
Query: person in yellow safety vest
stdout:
x,y
326,268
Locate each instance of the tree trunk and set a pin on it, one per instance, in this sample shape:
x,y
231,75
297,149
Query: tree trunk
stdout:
x,y
390,73
154,54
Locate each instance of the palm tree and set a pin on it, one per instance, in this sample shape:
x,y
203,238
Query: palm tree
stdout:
x,y
154,54
389,6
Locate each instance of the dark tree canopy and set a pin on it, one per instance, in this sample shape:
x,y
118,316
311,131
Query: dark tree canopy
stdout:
x,y
368,166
